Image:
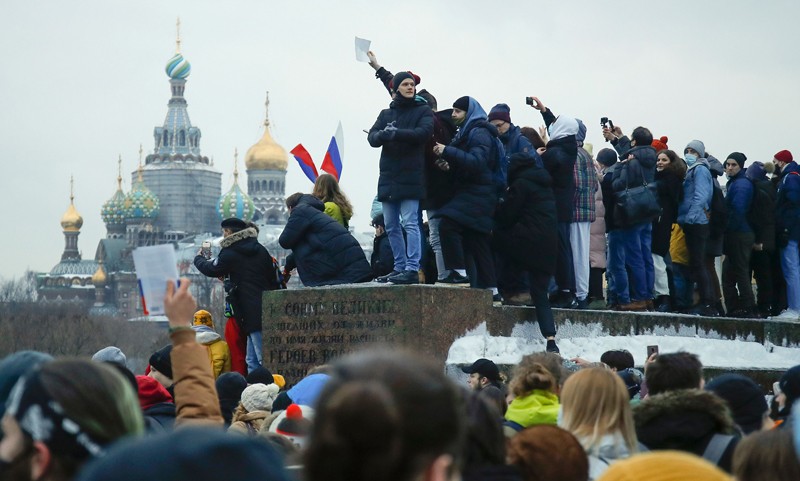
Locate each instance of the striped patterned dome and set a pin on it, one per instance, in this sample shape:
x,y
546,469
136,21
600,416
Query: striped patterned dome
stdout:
x,y
178,67
235,203
113,211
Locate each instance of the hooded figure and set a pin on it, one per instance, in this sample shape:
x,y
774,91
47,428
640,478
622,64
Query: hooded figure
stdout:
x,y
324,252
218,352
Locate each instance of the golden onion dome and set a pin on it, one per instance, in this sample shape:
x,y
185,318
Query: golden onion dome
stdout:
x,y
99,277
266,154
71,220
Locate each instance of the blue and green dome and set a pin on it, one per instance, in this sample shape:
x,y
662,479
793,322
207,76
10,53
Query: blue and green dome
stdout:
x,y
236,203
178,67
140,203
113,211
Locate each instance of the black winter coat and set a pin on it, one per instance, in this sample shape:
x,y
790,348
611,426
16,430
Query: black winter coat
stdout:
x,y
248,263
324,251
559,160
765,231
382,259
474,196
439,184
634,173
526,224
159,418
608,197
403,157
669,186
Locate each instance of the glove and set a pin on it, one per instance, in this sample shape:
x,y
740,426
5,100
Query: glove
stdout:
x,y
387,134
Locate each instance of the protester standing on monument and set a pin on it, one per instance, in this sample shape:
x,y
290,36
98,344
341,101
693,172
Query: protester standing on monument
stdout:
x,y
670,171
402,131
737,283
246,265
583,215
763,260
788,229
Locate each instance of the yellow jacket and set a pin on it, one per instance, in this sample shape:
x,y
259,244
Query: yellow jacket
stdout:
x,y
333,210
677,246
219,355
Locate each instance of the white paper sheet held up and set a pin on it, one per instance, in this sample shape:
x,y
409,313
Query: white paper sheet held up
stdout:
x,y
362,47
155,265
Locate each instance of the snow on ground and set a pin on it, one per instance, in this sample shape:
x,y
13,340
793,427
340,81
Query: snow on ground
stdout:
x,y
713,352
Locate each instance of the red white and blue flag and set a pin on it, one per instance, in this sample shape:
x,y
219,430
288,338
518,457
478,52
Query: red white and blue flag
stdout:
x,y
331,164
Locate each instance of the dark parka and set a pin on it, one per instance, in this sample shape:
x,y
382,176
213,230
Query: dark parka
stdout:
x,y
526,219
402,163
738,199
788,202
559,160
248,264
382,259
669,185
474,194
324,252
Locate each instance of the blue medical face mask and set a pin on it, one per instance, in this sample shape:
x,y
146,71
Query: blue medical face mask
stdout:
x,y
690,159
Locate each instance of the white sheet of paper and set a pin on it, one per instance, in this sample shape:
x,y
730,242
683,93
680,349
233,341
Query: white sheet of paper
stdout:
x,y
155,265
362,47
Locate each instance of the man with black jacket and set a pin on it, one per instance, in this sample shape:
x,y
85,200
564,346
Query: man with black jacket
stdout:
x,y
246,265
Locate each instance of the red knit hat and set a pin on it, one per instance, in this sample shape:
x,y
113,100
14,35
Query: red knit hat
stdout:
x,y
784,156
660,144
151,392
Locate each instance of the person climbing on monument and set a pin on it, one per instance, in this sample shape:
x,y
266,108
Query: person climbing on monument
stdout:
x,y
245,264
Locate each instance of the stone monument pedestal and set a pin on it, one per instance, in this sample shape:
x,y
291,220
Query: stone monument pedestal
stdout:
x,y
304,328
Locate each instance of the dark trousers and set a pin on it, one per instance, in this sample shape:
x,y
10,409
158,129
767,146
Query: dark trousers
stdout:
x,y
596,283
565,270
696,239
511,278
458,241
737,287
761,269
540,283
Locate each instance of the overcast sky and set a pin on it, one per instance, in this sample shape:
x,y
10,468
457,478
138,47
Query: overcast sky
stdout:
x,y
83,82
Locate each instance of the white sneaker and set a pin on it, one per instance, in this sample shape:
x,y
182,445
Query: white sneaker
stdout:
x,y
787,314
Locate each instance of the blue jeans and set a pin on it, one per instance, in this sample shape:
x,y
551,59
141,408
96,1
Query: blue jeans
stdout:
x,y
637,240
616,268
406,251
254,355
790,264
684,287
436,243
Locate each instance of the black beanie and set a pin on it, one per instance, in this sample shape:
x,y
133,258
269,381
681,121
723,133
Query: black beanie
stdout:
x,y
739,157
790,385
398,79
744,397
260,375
462,103
161,360
607,157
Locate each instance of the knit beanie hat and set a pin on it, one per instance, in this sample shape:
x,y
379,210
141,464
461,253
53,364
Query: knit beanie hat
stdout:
x,y
744,397
756,171
664,466
161,360
739,157
697,146
260,375
790,385
189,453
230,386
259,397
151,392
784,156
499,112
660,144
294,423
399,77
581,135
607,157
111,354
13,367
462,103
203,318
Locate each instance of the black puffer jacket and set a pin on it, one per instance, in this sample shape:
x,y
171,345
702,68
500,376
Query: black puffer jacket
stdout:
x,y
559,160
325,253
403,158
527,217
438,183
636,172
670,186
474,196
685,420
248,263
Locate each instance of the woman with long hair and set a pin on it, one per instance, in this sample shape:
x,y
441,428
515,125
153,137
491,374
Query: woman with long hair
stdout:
x,y
326,189
596,409
670,171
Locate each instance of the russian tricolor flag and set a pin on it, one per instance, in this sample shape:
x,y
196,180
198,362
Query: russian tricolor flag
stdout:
x,y
332,164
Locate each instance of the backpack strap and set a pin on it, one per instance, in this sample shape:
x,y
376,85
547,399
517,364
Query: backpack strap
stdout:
x,y
514,425
716,447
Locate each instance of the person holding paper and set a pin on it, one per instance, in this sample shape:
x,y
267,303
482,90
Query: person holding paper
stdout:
x,y
245,263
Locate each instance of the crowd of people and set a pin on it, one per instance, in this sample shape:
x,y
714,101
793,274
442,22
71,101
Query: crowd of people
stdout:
x,y
388,415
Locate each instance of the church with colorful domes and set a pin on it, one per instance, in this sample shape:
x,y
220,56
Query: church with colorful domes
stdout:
x,y
175,197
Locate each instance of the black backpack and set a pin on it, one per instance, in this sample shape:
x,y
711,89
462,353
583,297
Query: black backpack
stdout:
x,y
718,215
762,209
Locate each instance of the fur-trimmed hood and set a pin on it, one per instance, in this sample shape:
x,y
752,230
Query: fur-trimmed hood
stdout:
x,y
237,236
685,414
